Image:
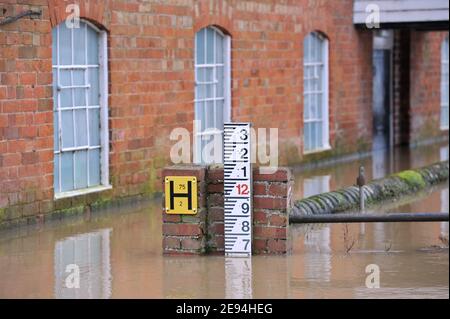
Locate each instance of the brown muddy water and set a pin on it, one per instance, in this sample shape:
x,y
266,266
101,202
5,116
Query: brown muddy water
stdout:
x,y
120,256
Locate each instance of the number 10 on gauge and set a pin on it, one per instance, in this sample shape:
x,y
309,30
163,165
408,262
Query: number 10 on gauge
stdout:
x,y
238,189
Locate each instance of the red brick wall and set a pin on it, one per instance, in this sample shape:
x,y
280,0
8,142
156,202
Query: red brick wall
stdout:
x,y
26,117
151,74
425,92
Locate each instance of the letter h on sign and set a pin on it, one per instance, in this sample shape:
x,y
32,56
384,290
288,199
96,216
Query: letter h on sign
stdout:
x,y
181,195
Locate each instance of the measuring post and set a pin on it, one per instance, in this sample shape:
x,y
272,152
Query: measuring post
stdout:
x,y
237,189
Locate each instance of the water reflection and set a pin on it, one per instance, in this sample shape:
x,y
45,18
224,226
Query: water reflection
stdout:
x,y
316,185
120,254
380,164
86,254
238,278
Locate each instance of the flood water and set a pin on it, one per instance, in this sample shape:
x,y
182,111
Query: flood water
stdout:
x,y
120,256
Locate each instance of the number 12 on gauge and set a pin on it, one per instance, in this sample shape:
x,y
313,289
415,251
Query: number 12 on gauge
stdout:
x,y
238,192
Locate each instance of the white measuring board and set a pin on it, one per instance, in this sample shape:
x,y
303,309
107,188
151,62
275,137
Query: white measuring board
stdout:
x,y
238,189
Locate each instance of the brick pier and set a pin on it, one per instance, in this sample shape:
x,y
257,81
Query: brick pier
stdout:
x,y
204,233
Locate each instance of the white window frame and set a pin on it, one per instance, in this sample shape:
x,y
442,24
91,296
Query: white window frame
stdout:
x,y
104,127
198,132
325,100
444,86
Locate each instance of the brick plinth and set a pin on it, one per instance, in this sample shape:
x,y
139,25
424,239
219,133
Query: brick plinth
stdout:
x,y
186,234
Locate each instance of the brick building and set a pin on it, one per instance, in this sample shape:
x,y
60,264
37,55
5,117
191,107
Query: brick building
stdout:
x,y
86,113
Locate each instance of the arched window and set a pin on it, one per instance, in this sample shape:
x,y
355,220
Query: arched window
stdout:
x,y
315,95
444,85
212,93
80,96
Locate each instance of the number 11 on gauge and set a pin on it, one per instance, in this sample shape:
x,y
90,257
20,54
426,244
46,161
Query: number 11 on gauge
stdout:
x,y
237,189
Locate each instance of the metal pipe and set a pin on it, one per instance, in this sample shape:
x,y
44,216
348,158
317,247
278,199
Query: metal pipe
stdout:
x,y
370,218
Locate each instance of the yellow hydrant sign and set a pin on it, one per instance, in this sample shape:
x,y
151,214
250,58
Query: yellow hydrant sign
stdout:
x,y
181,195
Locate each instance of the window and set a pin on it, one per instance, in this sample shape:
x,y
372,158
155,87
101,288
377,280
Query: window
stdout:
x,y
212,93
315,94
80,109
444,85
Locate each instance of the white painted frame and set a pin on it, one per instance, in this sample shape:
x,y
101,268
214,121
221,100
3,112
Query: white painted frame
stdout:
x,y
200,132
444,86
325,98
104,122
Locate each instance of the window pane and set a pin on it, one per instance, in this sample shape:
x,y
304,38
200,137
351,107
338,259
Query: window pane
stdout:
x,y
65,45
219,48
81,127
55,89
94,127
205,74
94,167
200,47
210,45
306,136
94,89
56,131
201,91
79,44
78,77
220,82
306,113
65,94
209,88
318,135
92,46
56,173
320,108
79,94
209,114
79,97
67,129
67,171
81,169
219,115
200,115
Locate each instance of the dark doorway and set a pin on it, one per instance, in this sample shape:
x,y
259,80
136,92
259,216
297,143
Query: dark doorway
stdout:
x,y
382,100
